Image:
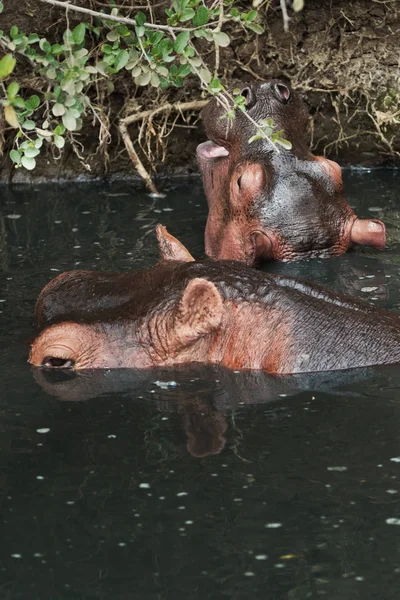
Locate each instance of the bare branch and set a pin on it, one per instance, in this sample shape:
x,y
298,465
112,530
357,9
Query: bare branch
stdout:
x,y
140,116
105,17
179,106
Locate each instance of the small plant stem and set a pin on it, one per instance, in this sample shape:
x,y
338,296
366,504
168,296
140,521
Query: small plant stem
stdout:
x,y
123,128
285,15
218,28
125,20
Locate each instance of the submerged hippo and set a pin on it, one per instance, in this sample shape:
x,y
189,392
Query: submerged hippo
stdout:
x,y
182,311
272,203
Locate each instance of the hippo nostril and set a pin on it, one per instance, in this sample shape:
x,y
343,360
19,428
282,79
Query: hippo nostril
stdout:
x,y
249,96
239,182
54,362
283,93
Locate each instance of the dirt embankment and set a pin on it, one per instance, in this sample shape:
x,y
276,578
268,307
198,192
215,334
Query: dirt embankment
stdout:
x,y
342,56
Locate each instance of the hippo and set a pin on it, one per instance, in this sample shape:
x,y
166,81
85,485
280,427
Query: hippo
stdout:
x,y
216,312
270,203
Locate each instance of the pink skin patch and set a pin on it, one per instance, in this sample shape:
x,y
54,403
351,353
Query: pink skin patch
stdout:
x,y
209,149
331,168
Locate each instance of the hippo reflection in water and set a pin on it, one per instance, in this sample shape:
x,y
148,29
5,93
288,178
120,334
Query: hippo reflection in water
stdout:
x,y
273,203
184,311
202,395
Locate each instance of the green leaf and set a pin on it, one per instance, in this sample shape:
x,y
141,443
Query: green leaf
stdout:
x,y
284,143
255,27
1,7
31,151
28,163
113,35
184,70
251,15
221,38
155,37
163,71
165,48
78,34
13,32
15,156
19,102
136,71
34,101
140,31
123,30
12,90
205,75
186,15
201,17
59,130
195,61
69,121
33,38
140,19
215,86
154,80
181,42
59,141
143,79
7,64
106,49
258,136
51,73
121,60
58,109
44,45
28,125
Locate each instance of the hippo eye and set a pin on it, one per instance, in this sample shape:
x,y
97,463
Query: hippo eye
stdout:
x,y
283,93
250,98
55,362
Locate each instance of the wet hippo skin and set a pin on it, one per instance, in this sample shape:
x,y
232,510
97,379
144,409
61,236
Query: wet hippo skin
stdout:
x,y
269,203
183,311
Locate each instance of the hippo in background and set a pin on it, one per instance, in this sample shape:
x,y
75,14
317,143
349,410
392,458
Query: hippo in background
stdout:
x,y
270,203
182,311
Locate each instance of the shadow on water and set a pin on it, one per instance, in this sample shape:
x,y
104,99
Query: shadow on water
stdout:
x,y
193,482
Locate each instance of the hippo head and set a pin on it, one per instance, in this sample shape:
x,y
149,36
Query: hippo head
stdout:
x,y
158,316
269,202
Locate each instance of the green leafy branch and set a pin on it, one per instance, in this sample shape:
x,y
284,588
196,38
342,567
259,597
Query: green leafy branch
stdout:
x,y
234,102
93,54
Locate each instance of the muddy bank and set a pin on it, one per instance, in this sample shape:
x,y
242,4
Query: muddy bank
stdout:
x,y
342,57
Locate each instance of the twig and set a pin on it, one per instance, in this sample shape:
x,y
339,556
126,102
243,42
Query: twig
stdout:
x,y
285,15
127,7
126,20
194,105
123,128
136,160
218,28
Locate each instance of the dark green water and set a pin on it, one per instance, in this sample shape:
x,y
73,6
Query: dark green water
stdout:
x,y
194,483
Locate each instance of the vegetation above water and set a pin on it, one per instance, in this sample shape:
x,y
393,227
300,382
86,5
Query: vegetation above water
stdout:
x,y
78,71
77,82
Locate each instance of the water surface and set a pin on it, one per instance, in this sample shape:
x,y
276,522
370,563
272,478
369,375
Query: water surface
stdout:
x,y
195,482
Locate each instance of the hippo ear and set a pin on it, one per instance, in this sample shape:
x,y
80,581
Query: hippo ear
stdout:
x,y
369,232
199,310
170,247
331,168
248,180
